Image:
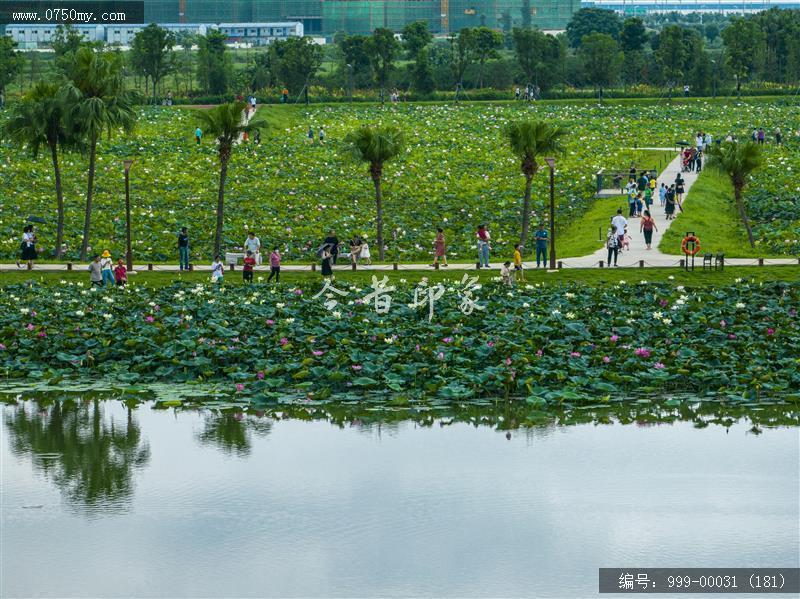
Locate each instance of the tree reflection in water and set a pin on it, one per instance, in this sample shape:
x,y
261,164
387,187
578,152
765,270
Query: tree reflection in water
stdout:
x,y
231,431
90,456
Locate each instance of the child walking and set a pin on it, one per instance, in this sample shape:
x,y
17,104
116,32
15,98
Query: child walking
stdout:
x,y
518,272
366,257
96,272
249,265
275,265
217,270
121,273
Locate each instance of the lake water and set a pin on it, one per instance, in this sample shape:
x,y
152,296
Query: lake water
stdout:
x,y
104,501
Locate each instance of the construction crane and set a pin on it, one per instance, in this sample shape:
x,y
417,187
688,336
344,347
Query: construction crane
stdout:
x,y
444,6
181,11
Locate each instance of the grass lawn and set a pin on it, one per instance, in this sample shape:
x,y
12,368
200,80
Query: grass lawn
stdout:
x,y
586,234
711,214
584,276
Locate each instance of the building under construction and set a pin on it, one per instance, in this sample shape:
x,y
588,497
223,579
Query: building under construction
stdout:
x,y
327,17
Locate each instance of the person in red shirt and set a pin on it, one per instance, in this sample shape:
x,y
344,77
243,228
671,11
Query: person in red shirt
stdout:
x,y
249,265
120,273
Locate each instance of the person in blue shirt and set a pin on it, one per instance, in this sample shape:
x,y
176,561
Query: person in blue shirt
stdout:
x,y
541,245
198,135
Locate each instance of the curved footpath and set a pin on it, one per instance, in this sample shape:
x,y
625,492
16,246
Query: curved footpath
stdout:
x,y
627,258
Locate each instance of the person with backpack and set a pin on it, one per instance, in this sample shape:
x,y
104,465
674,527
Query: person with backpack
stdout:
x,y
646,226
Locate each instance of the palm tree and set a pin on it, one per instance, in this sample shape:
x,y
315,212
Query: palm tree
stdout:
x,y
529,141
227,123
38,120
96,102
737,161
376,146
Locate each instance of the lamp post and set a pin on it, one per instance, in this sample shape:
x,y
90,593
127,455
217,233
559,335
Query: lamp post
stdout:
x,y
551,162
128,252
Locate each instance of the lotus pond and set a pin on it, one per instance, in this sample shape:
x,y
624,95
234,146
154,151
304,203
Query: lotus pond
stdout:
x,y
123,493
455,174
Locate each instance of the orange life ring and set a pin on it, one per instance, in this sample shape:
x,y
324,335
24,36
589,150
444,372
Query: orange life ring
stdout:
x,y
686,241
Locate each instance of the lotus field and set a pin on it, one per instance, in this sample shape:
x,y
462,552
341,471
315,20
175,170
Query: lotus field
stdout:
x,y
549,344
456,173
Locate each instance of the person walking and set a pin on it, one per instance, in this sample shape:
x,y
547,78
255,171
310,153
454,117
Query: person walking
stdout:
x,y
366,257
249,265
274,265
662,194
355,249
647,225
217,270
541,239
253,244
612,244
28,246
107,268
439,248
484,239
333,242
121,273
95,272
618,226
183,249
321,135
518,272
761,135
198,136
679,188
669,206
310,135
698,161
327,258
778,137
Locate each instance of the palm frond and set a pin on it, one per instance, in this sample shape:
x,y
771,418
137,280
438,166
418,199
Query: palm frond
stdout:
x,y
376,145
735,160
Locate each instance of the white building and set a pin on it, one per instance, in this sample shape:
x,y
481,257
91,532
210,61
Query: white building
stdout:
x,y
637,7
256,34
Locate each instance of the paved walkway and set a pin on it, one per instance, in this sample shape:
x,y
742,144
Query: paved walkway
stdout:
x,y
632,257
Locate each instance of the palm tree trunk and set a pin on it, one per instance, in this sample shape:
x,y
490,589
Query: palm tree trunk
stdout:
x,y
223,174
87,218
379,215
59,200
526,210
154,91
737,192
480,75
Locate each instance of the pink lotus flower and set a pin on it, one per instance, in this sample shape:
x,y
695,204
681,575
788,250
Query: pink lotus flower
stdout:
x,y
508,361
539,352
42,334
770,331
33,313
448,339
575,354
239,386
149,318
270,321
490,344
642,352
606,359
156,308
317,352
30,326
614,338
298,292
284,341
658,366
356,367
440,355
664,303
260,375
2,345
416,347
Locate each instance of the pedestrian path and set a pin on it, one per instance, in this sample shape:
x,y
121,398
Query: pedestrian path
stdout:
x,y
638,251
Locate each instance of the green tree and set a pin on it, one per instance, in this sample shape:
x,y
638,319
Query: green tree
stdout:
x,y
214,69
421,73
592,20
376,146
745,44
259,72
633,35
96,102
187,40
529,141
295,61
671,55
10,61
462,54
737,161
353,53
487,42
416,37
382,49
151,54
537,55
227,123
601,60
38,121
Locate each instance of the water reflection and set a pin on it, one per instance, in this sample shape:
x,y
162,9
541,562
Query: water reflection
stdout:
x,y
91,457
231,431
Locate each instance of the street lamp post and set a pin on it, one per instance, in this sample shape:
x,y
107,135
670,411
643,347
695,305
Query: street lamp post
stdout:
x,y
551,162
350,81
128,252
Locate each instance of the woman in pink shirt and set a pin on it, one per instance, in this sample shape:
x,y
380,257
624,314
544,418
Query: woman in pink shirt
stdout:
x,y
483,246
275,265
